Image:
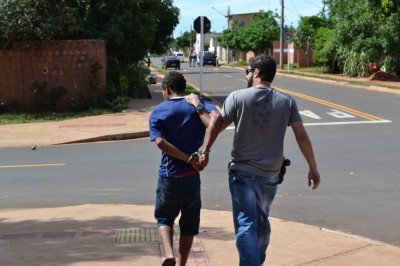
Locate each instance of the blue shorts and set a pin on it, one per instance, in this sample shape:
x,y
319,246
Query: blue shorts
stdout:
x,y
179,195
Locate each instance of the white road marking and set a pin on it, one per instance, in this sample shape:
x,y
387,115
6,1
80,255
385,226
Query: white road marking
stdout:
x,y
338,123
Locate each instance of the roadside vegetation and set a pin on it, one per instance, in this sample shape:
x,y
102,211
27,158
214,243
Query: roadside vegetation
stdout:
x,y
315,72
121,23
21,118
354,38
321,72
346,38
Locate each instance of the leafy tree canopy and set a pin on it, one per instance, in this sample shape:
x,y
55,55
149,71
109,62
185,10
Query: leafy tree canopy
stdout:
x,y
22,20
130,27
354,34
307,30
260,33
257,36
185,40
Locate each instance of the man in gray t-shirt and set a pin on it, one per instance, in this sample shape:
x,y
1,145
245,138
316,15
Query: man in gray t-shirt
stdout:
x,y
261,115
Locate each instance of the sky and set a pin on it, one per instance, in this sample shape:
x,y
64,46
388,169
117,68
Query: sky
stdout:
x,y
216,10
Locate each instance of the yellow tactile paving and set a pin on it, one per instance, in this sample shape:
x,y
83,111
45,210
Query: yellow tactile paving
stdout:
x,y
5,128
131,235
138,123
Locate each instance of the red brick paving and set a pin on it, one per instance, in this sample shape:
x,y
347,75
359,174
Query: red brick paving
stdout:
x,y
197,255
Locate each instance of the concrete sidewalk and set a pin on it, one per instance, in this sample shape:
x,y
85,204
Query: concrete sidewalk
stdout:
x,y
126,234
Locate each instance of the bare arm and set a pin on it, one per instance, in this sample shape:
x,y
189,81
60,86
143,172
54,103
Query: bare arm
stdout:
x,y
210,137
306,149
212,132
213,123
205,117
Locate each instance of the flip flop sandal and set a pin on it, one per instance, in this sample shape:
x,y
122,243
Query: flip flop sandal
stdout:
x,y
169,262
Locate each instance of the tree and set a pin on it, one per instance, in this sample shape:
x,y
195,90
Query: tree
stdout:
x,y
24,20
365,31
185,40
230,38
166,16
129,32
260,33
324,49
257,36
130,28
307,29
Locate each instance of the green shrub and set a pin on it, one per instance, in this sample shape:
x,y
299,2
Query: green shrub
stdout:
x,y
118,104
137,76
45,100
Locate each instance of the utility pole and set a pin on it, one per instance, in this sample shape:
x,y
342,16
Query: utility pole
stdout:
x,y
190,41
282,35
227,16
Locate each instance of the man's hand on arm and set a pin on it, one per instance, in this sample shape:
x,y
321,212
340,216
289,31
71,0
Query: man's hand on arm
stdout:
x,y
193,99
205,117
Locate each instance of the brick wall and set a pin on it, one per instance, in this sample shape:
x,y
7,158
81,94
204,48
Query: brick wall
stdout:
x,y
296,55
58,63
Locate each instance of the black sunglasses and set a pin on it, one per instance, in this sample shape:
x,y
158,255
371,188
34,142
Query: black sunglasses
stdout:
x,y
249,70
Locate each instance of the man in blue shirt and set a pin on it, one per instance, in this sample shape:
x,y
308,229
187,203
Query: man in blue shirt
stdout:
x,y
178,128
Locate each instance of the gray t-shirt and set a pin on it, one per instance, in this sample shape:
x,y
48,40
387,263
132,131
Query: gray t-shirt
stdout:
x,y
261,116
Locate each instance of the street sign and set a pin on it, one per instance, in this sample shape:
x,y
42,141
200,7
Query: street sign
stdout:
x,y
201,25
197,25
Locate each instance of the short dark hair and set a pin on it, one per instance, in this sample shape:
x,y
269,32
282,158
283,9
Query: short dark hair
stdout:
x,y
174,81
266,65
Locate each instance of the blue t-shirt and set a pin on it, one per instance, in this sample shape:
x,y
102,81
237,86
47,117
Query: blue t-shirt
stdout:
x,y
179,123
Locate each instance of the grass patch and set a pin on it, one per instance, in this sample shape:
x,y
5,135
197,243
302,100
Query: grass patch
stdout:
x,y
190,89
240,63
160,70
366,84
308,72
318,70
22,118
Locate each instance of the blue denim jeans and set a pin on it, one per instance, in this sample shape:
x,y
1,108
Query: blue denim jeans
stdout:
x,y
252,197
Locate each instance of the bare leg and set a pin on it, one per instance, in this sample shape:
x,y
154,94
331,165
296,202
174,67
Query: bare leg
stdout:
x,y
185,244
166,235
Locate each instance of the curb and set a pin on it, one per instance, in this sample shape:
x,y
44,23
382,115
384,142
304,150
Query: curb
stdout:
x,y
111,137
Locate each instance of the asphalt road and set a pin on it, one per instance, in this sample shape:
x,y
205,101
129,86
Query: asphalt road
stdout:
x,y
354,134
